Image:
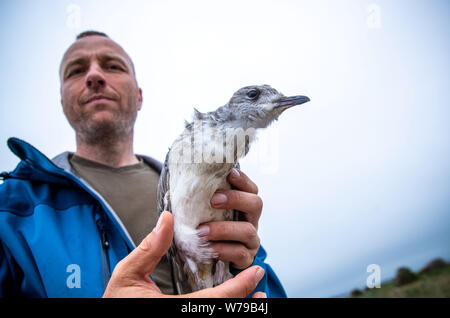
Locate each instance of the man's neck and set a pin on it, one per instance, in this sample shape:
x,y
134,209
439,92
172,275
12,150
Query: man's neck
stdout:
x,y
115,154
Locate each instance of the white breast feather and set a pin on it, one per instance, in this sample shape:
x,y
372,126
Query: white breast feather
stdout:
x,y
192,186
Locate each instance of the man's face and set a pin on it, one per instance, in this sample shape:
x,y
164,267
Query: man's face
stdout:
x,y
99,92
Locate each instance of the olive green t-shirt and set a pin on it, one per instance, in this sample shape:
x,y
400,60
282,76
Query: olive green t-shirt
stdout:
x,y
131,191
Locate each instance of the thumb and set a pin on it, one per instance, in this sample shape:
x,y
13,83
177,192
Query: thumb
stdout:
x,y
143,259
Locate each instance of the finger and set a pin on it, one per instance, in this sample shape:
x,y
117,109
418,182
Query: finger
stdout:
x,y
241,181
143,259
239,286
236,253
248,203
259,295
237,231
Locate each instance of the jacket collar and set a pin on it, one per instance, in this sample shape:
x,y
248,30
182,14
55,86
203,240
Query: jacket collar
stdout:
x,y
62,161
59,164
36,166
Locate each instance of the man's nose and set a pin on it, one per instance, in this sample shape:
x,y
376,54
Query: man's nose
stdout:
x,y
95,78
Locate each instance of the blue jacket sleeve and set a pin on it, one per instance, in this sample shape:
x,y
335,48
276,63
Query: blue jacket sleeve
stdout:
x,y
6,279
270,284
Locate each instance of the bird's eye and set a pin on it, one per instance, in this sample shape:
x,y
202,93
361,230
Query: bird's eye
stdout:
x,y
253,93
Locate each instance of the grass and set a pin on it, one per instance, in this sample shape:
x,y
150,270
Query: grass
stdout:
x,y
435,284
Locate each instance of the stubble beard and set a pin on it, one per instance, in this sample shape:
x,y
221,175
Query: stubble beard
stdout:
x,y
104,132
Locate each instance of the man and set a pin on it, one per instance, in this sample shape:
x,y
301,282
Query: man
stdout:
x,y
70,227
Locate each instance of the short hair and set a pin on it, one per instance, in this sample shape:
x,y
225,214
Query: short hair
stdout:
x,y
90,33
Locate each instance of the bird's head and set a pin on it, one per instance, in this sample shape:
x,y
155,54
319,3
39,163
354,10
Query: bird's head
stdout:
x,y
256,107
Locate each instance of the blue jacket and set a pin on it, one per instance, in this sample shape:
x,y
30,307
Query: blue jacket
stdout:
x,y
59,237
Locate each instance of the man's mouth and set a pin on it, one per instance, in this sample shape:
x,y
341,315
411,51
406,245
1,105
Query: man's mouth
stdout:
x,y
98,98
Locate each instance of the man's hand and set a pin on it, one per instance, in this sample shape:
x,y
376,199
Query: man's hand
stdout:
x,y
236,241
131,275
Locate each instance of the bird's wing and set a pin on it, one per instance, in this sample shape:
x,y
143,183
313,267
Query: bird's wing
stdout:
x,y
238,215
176,259
163,188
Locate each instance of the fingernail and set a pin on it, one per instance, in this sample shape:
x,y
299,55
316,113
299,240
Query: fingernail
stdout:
x,y
235,173
260,295
158,224
259,274
203,230
219,198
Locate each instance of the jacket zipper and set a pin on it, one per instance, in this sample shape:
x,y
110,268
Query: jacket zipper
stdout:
x,y
106,265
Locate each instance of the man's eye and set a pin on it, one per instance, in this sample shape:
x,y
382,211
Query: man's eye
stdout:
x,y
115,67
75,72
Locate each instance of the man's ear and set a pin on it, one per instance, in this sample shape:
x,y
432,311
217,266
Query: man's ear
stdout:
x,y
140,99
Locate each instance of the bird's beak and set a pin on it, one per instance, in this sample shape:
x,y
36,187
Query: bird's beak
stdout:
x,y
291,101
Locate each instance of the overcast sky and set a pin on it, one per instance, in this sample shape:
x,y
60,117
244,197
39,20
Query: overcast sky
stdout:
x,y
358,176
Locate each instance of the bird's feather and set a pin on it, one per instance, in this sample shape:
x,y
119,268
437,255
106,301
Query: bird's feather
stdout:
x,y
183,277
176,259
187,190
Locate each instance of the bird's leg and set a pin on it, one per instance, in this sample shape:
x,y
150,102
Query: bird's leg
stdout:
x,y
191,269
199,275
221,272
